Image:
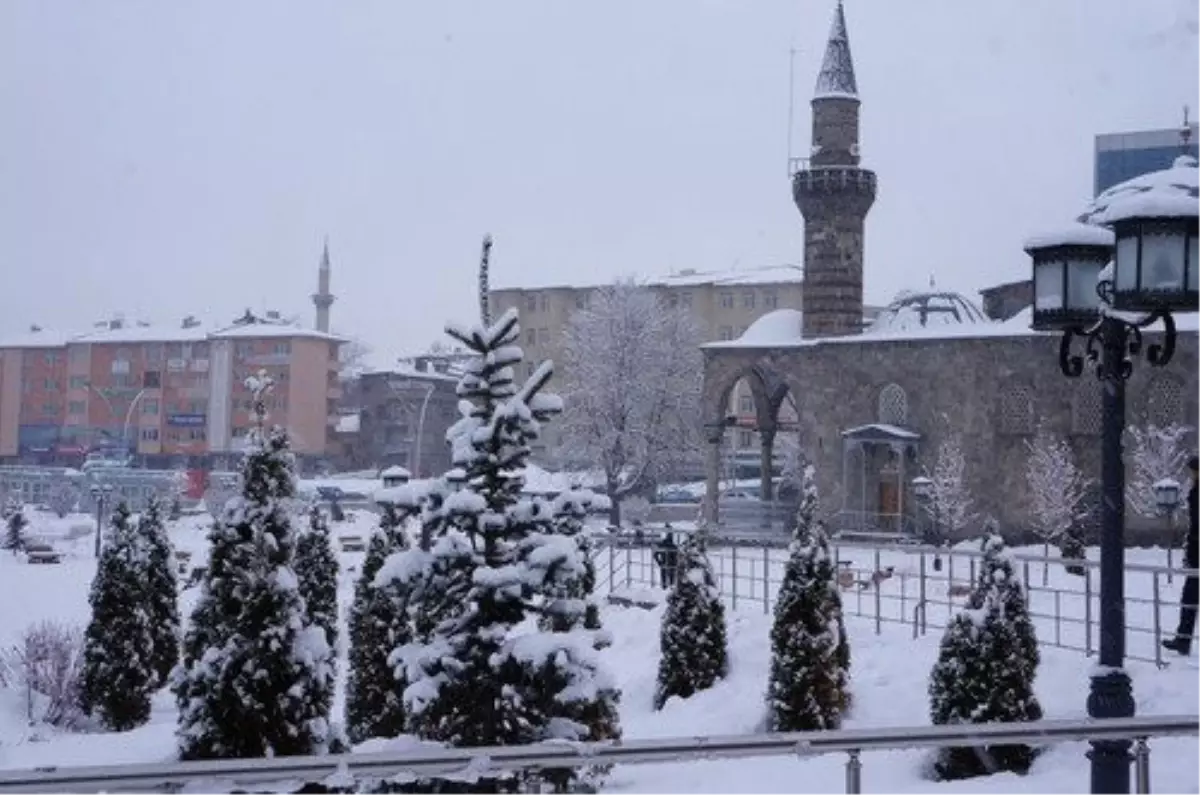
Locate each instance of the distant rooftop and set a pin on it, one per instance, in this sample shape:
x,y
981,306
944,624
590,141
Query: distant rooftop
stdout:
x,y
689,277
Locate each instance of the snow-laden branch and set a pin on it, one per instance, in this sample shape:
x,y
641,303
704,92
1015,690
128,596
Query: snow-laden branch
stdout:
x,y
1056,487
633,374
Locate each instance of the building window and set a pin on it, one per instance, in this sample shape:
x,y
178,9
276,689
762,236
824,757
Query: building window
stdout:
x,y
727,300
78,353
725,332
1016,410
197,407
152,379
244,350
748,299
771,299
79,382
76,407
545,303
150,406
154,352
745,438
746,404
197,435
282,348
893,405
672,300
120,366
50,358
543,335
1086,410
531,303
685,299
149,434
581,301
49,409
1164,401
122,380
50,385
199,350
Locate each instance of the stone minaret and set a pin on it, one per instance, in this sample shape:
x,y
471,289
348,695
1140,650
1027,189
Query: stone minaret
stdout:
x,y
834,196
323,299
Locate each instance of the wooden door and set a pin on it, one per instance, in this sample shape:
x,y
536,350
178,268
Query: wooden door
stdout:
x,y
889,498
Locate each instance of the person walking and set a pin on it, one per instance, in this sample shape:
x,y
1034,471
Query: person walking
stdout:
x,y
1182,642
667,558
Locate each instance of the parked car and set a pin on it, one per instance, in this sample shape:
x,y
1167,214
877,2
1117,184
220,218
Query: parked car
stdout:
x,y
678,495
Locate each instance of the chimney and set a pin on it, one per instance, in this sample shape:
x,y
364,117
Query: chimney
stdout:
x,y
115,324
272,314
190,322
35,328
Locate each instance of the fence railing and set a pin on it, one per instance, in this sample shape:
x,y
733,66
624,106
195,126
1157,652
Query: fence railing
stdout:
x,y
924,586
470,764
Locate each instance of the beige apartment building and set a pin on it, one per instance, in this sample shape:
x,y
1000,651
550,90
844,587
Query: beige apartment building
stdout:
x,y
723,303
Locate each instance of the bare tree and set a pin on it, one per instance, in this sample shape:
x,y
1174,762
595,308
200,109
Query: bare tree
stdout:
x,y
632,381
1157,454
1057,495
352,358
950,504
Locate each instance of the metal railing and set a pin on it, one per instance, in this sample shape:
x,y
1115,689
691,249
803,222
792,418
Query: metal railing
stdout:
x,y
901,584
470,764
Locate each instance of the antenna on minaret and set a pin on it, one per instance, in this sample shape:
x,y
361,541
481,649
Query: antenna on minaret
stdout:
x,y
791,105
485,254
1185,132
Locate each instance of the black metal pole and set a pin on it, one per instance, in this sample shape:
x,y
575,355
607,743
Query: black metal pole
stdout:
x,y
99,520
1111,694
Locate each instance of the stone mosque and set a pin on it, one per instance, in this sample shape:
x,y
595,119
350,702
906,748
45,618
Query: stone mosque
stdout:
x,y
870,406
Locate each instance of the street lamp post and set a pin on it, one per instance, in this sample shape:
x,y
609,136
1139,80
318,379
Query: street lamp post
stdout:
x,y
1129,263
128,419
429,389
1166,500
101,494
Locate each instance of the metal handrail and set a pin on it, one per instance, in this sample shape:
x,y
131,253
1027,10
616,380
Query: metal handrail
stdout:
x,y
469,763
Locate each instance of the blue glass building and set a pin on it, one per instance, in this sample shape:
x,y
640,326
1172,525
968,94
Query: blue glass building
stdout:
x,y
1122,156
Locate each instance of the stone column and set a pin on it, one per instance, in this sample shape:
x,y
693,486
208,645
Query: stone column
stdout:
x,y
766,451
712,474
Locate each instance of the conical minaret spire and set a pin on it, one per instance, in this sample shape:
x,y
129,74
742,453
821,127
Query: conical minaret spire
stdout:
x,y
836,77
323,299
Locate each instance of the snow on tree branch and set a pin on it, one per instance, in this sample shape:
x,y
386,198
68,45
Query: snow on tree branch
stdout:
x,y
1156,453
633,373
950,503
1056,486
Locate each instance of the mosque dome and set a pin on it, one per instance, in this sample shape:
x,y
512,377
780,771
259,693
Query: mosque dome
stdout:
x,y
912,310
782,325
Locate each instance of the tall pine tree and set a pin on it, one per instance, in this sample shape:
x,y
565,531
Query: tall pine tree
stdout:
x,y
810,656
118,656
317,571
693,637
985,670
477,673
162,591
374,697
257,678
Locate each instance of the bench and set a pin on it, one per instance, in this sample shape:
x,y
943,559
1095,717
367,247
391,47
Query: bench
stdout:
x,y
353,543
41,553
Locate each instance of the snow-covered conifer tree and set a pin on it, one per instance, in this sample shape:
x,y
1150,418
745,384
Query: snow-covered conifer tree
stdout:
x,y
256,678
162,590
374,696
693,637
808,688
1057,489
14,527
477,673
317,571
985,669
118,657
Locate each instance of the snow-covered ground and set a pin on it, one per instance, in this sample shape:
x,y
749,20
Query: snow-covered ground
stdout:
x,y
890,670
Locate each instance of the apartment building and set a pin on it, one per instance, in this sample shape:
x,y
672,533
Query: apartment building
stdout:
x,y
724,304
167,395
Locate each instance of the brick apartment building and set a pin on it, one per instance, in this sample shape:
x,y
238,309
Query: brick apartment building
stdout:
x,y
168,396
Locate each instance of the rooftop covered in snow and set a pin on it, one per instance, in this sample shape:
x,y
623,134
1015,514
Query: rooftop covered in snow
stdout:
x,y
248,326
690,277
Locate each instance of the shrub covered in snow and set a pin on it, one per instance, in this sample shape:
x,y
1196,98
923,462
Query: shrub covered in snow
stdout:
x,y
14,526
810,655
693,639
374,696
256,677
985,670
62,497
161,589
47,665
118,658
317,571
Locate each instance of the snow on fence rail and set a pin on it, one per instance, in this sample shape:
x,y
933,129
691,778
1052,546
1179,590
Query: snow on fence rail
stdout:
x,y
470,764
900,584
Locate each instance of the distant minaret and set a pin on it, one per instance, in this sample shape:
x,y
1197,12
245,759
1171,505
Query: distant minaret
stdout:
x,y
834,195
323,299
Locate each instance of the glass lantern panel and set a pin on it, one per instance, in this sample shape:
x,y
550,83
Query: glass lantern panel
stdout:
x,y
1162,262
1048,285
1083,276
1125,263
1193,266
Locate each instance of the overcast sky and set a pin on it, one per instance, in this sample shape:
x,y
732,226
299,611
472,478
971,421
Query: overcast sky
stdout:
x,y
165,158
